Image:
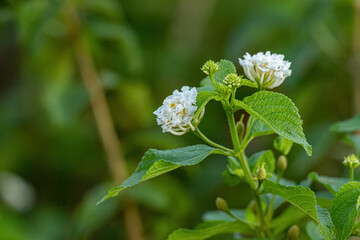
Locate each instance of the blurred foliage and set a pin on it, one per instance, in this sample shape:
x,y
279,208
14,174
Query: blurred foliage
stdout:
x,y
142,51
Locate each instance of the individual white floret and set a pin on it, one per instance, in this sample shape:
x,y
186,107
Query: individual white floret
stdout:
x,y
267,70
177,111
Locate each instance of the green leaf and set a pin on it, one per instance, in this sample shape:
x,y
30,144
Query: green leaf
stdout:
x,y
279,113
288,217
326,226
248,83
209,229
203,98
332,184
259,129
221,216
283,145
344,209
349,125
301,197
256,160
312,231
353,140
233,172
157,162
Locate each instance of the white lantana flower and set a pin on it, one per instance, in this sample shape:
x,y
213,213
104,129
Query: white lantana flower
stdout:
x,y
267,70
177,111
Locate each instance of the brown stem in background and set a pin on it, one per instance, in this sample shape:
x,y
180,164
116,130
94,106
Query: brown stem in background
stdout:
x,y
356,56
105,124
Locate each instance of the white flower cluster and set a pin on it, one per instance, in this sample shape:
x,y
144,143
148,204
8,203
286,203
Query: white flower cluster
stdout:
x,y
268,70
177,111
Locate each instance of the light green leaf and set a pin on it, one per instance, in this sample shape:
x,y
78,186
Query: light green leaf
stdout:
x,y
349,125
301,197
203,98
332,184
221,216
257,159
283,145
312,231
259,129
248,83
288,217
209,229
279,113
344,209
326,226
157,162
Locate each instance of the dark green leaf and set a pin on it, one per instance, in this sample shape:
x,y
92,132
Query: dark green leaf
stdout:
x,y
332,184
279,113
257,159
157,162
344,209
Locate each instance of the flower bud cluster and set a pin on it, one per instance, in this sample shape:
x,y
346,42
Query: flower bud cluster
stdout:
x,y
232,80
267,70
210,67
351,161
177,111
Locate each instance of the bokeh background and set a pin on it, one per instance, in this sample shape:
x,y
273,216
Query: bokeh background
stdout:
x,y
80,80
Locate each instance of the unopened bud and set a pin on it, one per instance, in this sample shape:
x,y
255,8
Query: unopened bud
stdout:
x,y
210,67
221,204
282,163
293,232
351,161
253,207
240,129
232,80
261,173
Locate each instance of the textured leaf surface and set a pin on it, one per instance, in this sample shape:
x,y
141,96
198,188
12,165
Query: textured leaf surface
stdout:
x,y
283,145
332,184
326,225
157,162
279,113
344,209
349,125
209,229
259,129
301,197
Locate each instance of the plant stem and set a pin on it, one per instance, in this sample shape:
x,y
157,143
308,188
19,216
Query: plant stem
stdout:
x,y
244,164
269,214
351,170
208,141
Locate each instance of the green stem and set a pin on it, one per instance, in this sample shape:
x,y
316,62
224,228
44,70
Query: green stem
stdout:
x,y
351,170
208,141
244,164
246,138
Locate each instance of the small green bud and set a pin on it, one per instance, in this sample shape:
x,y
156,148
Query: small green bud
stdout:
x,y
293,232
282,163
210,67
232,80
240,129
239,172
261,173
221,204
351,161
253,207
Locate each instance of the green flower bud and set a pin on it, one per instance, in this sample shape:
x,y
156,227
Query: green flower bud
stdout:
x,y
253,207
261,173
293,232
240,127
351,161
221,204
232,80
210,67
282,163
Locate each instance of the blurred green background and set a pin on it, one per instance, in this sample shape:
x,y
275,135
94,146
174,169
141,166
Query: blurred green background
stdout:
x,y
53,164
